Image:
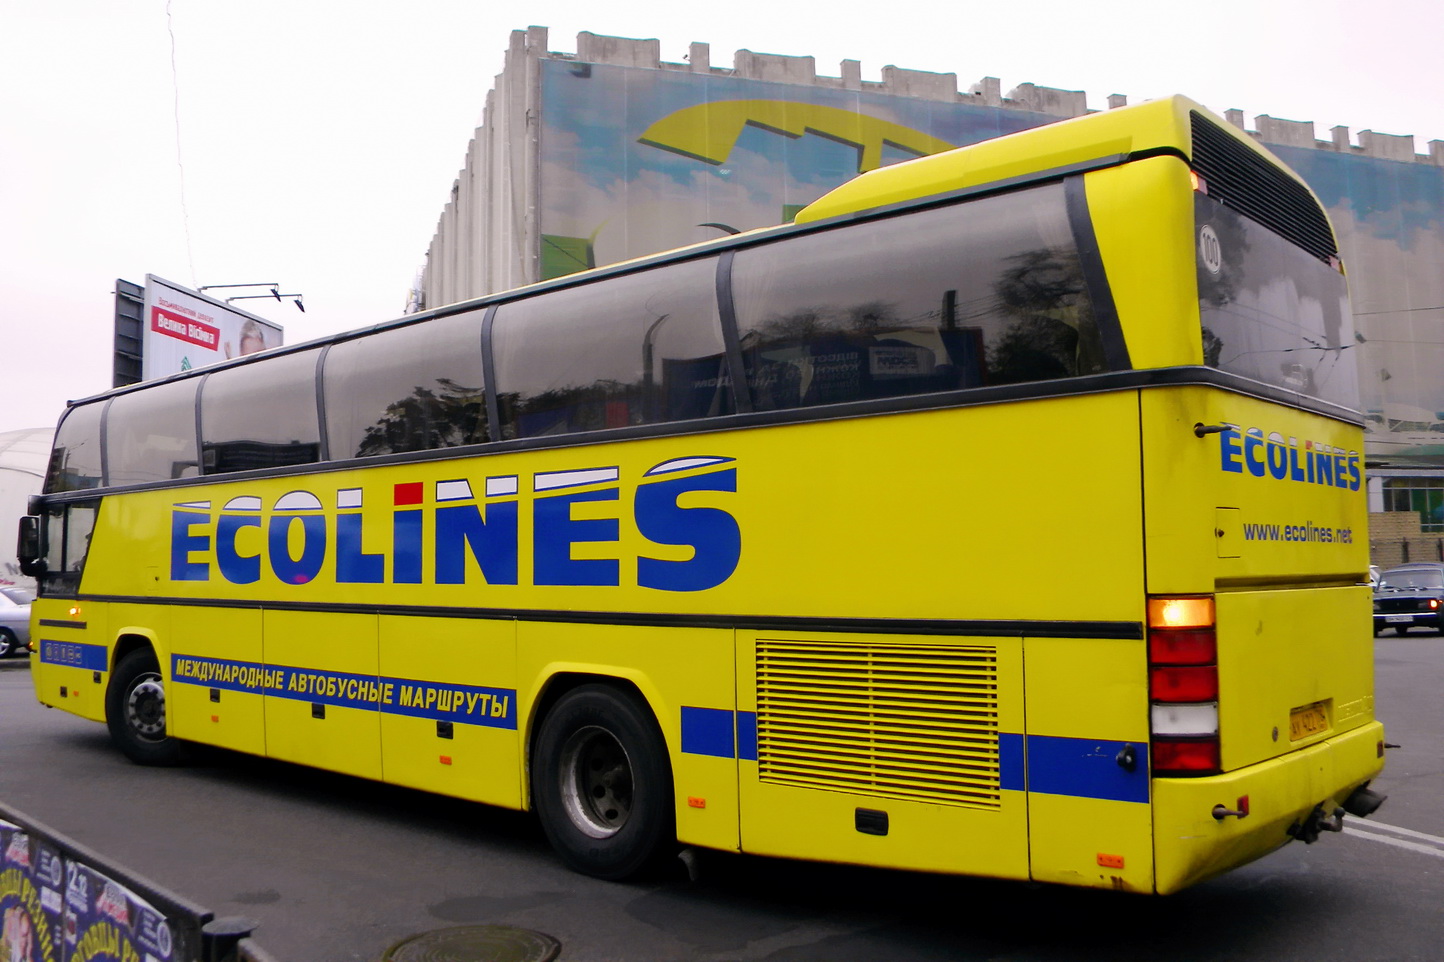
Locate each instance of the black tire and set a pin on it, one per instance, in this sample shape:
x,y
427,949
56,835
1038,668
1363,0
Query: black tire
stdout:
x,y
135,711
9,644
602,783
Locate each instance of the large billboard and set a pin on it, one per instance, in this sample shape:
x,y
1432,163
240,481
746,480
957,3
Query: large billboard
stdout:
x,y
635,161
184,329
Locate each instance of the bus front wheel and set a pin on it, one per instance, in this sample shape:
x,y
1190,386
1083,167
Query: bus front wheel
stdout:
x,y
602,783
135,711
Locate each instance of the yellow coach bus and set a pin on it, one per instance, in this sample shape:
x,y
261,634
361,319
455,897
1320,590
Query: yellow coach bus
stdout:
x,y
1001,516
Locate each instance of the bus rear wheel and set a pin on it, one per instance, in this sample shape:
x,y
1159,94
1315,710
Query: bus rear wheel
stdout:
x,y
602,783
135,711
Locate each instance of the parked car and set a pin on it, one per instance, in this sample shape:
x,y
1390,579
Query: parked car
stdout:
x,y
1410,596
14,620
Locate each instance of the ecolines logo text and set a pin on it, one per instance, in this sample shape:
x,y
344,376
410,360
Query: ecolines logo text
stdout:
x,y
443,535
1287,460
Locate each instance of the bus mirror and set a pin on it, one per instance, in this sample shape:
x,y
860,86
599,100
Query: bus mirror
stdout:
x,y
27,548
35,504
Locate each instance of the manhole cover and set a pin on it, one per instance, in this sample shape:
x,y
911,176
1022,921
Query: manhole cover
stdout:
x,y
475,943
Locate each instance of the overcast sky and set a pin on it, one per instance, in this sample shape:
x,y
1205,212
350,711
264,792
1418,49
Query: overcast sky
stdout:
x,y
318,141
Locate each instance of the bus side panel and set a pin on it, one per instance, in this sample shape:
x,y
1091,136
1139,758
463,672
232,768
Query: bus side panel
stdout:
x,y
312,719
1087,748
686,677
66,661
204,703
893,750
466,746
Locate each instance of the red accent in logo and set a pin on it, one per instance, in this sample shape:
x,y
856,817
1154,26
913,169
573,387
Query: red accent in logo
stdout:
x,y
185,328
410,493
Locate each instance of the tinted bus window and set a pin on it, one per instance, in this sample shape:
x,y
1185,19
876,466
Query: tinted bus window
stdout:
x,y
636,349
408,389
261,415
75,459
980,293
1271,311
150,435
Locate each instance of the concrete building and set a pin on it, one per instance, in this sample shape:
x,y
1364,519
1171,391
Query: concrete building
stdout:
x,y
590,158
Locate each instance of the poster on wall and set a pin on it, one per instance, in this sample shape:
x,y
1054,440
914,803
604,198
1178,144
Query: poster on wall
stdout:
x,y
184,329
636,160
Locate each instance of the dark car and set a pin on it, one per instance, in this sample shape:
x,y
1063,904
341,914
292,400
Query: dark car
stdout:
x,y
1410,596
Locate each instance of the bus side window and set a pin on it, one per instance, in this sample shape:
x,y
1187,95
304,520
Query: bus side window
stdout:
x,y
413,388
639,348
75,458
261,415
983,292
150,435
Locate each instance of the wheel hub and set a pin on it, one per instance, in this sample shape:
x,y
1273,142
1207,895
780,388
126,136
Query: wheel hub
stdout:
x,y
145,708
596,782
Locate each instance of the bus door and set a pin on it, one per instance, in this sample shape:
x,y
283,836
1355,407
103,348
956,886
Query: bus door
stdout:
x,y
895,750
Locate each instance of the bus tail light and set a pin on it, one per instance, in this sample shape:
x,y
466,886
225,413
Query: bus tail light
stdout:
x,y
1183,685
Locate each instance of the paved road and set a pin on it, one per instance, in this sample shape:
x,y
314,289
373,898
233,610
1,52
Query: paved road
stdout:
x,y
338,869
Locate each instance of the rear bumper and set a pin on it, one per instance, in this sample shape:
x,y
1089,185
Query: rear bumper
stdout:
x,y
1191,845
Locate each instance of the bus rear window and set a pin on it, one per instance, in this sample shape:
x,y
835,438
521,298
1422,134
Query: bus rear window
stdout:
x,y
1270,310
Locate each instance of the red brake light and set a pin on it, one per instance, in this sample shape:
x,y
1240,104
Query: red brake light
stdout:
x,y
1195,683
1192,757
1185,646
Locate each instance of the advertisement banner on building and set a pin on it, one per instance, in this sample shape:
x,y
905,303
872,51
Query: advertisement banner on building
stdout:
x,y
184,329
636,160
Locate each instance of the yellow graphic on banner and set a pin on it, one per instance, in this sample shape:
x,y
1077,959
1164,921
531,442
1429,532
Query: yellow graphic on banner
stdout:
x,y
709,131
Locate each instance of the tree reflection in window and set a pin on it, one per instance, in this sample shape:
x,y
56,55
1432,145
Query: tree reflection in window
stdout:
x,y
986,292
425,419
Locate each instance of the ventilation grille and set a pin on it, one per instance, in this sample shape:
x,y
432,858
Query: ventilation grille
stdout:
x,y
1239,178
896,721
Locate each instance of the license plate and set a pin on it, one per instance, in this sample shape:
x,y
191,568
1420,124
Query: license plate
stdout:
x,y
1306,721
1398,619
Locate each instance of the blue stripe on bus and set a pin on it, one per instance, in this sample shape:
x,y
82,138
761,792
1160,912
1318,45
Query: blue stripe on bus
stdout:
x,y
747,735
440,701
73,654
1086,768
1080,767
708,731
1010,762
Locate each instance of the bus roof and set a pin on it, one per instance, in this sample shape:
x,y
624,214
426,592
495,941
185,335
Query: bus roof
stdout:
x,y
1156,126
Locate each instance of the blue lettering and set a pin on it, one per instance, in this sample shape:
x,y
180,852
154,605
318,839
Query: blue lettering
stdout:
x,y
235,567
1251,456
354,566
713,533
1296,469
492,541
1324,463
406,548
554,532
297,571
182,543
1278,457
1230,451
